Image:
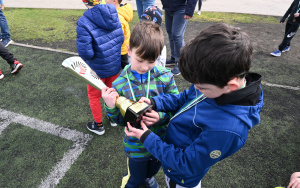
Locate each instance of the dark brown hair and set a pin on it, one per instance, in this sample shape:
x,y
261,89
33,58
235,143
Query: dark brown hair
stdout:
x,y
148,39
217,55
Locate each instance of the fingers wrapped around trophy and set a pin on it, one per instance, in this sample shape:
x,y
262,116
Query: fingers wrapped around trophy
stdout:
x,y
132,112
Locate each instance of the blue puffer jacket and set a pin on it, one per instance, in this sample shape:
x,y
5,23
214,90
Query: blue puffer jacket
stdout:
x,y
99,39
175,5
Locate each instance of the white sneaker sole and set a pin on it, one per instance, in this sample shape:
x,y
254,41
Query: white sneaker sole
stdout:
x,y
96,132
1,76
19,66
8,43
275,55
113,124
286,50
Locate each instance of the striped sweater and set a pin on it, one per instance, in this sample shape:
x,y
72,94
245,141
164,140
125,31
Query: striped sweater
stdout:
x,y
161,82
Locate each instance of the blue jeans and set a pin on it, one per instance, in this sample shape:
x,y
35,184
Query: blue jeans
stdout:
x,y
4,27
175,26
141,5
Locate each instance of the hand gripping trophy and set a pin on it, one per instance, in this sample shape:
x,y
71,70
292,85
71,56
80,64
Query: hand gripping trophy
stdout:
x,y
130,110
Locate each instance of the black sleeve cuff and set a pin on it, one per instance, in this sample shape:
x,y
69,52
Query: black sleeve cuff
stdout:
x,y
153,104
145,135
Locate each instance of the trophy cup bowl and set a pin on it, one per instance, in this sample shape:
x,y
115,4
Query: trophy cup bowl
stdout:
x,y
131,111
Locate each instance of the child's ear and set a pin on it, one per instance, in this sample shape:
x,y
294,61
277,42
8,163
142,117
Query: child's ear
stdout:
x,y
234,84
128,50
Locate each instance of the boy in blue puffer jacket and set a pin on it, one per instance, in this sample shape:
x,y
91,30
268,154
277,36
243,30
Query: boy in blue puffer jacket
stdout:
x,y
212,119
99,41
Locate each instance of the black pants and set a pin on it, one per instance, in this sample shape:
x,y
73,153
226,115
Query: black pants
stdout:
x,y
6,55
290,31
124,60
199,5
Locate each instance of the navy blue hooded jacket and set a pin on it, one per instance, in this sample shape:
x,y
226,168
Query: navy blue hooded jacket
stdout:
x,y
175,5
206,133
99,39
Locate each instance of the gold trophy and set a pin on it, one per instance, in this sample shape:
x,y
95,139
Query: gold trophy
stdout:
x,y
131,111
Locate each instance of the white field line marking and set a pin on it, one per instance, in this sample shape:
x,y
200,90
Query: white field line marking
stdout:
x,y
43,48
73,53
3,125
281,86
80,141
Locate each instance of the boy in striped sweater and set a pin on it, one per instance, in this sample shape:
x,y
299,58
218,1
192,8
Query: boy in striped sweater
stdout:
x,y
141,78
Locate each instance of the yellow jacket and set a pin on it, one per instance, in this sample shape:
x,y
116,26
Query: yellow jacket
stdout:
x,y
125,15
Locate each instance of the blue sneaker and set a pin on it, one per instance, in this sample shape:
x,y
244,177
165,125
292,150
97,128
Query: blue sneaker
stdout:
x,y
6,42
287,48
151,183
176,71
277,53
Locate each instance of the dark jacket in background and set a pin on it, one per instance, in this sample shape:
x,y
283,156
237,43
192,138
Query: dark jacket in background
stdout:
x,y
295,6
175,5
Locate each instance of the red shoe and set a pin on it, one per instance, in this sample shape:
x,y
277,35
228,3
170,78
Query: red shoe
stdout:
x,y
1,75
16,67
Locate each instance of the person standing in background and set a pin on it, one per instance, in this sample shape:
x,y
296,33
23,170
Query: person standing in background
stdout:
x,y
177,14
291,27
199,7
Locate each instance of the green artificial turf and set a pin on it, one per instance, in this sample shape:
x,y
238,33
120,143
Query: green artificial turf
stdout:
x,y
53,25
45,90
28,155
233,18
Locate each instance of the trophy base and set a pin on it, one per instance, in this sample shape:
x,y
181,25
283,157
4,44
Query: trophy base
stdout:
x,y
134,114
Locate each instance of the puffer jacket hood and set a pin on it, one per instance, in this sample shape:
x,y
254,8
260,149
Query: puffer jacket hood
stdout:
x,y
102,17
99,39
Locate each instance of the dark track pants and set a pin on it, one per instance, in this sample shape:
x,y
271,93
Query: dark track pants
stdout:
x,y
139,170
6,55
290,31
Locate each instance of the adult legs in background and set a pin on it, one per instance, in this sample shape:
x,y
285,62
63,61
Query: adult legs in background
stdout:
x,y
141,5
4,27
175,26
5,36
199,7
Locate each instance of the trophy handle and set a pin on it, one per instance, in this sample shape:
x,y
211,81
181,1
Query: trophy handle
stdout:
x,y
131,111
79,68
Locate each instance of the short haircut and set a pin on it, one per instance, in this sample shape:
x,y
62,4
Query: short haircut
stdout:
x,y
148,39
217,55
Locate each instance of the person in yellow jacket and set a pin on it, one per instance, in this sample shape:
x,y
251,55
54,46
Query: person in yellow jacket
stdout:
x,y
125,13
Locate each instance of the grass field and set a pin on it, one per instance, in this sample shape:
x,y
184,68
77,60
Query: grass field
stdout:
x,y
43,104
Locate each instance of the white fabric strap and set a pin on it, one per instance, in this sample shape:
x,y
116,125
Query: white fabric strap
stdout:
x,y
179,186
